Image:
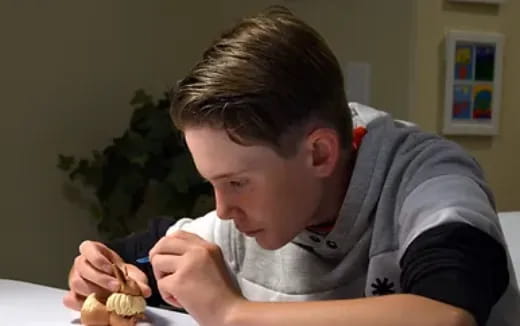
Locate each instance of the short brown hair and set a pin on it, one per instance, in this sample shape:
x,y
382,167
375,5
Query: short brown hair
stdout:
x,y
269,74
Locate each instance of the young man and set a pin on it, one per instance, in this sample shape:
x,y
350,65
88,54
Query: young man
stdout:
x,y
354,218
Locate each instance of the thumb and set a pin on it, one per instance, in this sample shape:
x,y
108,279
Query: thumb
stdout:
x,y
137,275
173,301
145,289
73,301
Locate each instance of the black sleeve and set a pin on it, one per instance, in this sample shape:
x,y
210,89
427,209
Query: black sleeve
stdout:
x,y
137,245
457,264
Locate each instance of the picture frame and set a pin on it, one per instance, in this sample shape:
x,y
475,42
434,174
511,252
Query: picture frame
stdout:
x,y
473,83
481,1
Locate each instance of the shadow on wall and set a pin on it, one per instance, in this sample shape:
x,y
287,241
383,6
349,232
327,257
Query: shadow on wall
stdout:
x,y
487,9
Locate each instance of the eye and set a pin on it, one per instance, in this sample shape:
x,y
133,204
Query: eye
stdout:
x,y
237,184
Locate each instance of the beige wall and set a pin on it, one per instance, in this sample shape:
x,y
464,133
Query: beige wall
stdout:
x,y
499,155
68,70
373,31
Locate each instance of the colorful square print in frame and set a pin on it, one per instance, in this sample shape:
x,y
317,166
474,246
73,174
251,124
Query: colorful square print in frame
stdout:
x,y
473,83
481,1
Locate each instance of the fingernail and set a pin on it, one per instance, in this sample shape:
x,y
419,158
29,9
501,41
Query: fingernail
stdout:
x,y
114,285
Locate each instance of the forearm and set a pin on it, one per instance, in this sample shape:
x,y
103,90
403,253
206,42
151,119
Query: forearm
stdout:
x,y
389,310
137,245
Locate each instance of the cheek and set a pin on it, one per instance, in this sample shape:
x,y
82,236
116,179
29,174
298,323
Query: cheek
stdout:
x,y
300,185
294,197
302,198
262,201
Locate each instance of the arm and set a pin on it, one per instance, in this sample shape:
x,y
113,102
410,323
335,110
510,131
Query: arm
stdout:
x,y
191,274
389,310
453,274
457,264
137,245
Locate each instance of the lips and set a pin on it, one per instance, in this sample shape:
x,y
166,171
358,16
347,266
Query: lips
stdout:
x,y
251,233
248,232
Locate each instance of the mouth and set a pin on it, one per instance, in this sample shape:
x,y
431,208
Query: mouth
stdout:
x,y
252,232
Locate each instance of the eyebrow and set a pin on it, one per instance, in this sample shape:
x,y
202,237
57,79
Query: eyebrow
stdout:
x,y
226,175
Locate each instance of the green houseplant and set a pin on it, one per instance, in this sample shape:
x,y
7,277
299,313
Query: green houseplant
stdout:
x,y
148,166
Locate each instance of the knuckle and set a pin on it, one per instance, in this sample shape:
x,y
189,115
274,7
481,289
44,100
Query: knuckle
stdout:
x,y
163,285
84,245
154,261
202,251
79,263
207,251
97,261
75,283
212,248
181,276
173,235
175,282
198,255
191,264
179,232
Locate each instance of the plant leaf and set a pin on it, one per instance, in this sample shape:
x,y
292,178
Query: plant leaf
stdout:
x,y
141,98
183,174
150,151
203,204
65,163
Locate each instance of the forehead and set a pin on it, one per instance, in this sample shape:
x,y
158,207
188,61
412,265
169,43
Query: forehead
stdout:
x,y
215,153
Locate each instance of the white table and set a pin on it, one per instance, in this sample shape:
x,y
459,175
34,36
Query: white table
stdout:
x,y
510,222
26,304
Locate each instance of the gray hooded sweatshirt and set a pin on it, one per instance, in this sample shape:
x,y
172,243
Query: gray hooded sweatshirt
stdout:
x,y
404,183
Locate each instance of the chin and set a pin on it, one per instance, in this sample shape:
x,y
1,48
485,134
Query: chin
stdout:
x,y
270,244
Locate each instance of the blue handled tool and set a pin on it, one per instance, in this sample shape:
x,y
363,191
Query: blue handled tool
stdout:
x,y
143,260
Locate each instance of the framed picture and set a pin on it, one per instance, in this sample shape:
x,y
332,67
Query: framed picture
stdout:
x,y
473,83
480,1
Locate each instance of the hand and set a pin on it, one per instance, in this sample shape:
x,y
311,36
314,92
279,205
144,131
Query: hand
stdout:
x,y
92,273
191,274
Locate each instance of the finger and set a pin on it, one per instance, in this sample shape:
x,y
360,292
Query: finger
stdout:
x,y
172,301
188,236
87,272
84,287
164,265
166,287
171,244
98,255
190,239
145,289
73,300
136,274
141,279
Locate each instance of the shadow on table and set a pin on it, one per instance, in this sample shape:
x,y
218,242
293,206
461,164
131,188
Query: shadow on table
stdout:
x,y
152,318
157,320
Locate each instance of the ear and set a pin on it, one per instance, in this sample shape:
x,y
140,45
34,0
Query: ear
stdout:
x,y
323,147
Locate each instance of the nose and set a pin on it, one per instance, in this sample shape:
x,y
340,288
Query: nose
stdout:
x,y
224,207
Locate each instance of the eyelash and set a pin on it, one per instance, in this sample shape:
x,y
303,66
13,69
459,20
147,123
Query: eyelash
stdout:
x,y
237,184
